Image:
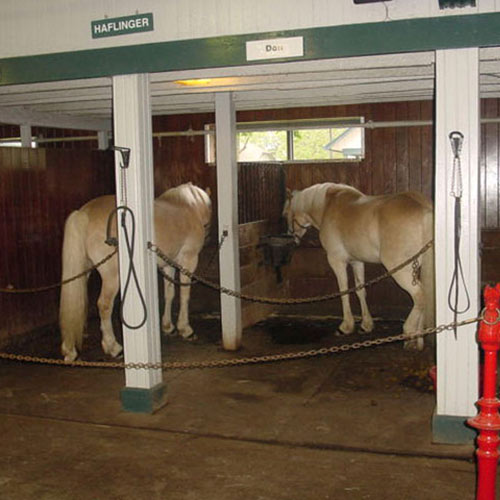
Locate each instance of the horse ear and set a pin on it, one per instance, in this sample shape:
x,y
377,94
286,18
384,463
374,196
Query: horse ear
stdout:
x,y
288,194
208,191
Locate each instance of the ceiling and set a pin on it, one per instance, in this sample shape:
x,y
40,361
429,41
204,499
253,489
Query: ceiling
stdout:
x,y
395,77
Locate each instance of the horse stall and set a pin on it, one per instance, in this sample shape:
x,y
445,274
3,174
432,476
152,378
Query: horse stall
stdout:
x,y
268,396
39,193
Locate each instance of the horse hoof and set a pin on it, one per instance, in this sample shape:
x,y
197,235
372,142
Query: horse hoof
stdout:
x,y
340,333
190,338
366,329
414,345
70,357
169,331
112,351
116,351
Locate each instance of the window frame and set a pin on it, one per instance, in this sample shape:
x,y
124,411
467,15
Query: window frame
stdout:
x,y
290,126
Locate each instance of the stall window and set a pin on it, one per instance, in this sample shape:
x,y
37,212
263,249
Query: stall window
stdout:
x,y
340,139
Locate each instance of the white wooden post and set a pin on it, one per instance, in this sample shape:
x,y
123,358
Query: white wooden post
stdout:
x,y
144,390
102,139
25,135
227,194
457,109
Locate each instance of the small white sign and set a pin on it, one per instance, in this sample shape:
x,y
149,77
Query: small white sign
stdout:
x,y
275,48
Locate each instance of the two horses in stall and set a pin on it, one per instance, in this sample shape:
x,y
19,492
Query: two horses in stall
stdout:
x,y
181,218
356,229
353,229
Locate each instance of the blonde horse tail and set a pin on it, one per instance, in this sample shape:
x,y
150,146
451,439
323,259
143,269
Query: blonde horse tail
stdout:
x,y
427,274
74,301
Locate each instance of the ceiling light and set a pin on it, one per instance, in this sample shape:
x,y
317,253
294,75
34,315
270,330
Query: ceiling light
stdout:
x,y
196,82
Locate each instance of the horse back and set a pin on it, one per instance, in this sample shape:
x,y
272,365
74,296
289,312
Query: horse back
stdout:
x,y
362,227
178,228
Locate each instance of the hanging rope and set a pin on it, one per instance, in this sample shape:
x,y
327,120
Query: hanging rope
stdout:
x,y
456,140
129,240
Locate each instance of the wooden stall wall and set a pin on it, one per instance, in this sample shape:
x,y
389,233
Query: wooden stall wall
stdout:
x,y
38,189
490,193
54,138
261,193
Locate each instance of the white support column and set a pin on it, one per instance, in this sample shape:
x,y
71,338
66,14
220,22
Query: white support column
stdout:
x,y
133,129
25,135
227,193
457,109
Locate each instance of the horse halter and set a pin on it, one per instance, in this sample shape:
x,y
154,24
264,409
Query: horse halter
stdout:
x,y
292,231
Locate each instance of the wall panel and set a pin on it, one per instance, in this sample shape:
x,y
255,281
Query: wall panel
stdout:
x,y
38,190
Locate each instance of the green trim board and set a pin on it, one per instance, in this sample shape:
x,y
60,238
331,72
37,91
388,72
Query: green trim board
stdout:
x,y
138,400
410,35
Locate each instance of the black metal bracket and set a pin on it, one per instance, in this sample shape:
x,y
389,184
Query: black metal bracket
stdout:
x,y
125,154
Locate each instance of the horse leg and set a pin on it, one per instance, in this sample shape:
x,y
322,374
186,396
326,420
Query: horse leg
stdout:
x,y
183,326
105,304
166,323
415,320
340,269
359,278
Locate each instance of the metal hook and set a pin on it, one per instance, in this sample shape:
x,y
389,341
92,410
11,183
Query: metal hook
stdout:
x,y
456,139
125,154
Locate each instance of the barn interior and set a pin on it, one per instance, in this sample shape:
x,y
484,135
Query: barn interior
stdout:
x,y
353,416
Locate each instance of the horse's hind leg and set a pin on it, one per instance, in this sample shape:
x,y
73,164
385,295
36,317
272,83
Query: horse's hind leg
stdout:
x,y
415,320
166,322
340,269
183,326
105,305
359,278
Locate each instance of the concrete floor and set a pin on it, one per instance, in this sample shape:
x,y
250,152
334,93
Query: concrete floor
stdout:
x,y
348,426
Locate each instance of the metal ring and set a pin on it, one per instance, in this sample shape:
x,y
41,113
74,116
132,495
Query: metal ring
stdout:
x,y
489,322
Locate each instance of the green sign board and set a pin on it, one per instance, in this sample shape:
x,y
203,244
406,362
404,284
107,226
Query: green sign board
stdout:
x,y
122,25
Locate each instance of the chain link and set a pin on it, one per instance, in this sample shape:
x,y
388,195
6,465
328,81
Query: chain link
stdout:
x,y
272,300
61,283
223,363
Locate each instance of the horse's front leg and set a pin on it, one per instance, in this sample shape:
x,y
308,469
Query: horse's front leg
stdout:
x,y
340,269
359,278
167,326
183,326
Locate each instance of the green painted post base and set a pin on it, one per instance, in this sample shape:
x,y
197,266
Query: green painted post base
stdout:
x,y
138,400
447,429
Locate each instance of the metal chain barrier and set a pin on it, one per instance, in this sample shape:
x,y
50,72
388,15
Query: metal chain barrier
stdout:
x,y
61,283
270,300
223,363
239,361
205,270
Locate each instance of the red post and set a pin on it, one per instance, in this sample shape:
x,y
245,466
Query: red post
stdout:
x,y
488,420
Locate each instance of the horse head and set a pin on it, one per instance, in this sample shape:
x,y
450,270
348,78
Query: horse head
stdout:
x,y
297,221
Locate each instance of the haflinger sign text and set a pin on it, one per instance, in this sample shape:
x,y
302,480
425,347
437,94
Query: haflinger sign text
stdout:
x,y
122,25
275,48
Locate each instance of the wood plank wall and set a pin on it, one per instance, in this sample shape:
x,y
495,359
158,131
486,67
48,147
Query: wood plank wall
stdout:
x,y
38,190
54,133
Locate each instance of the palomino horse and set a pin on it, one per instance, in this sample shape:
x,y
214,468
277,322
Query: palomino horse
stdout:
x,y
355,228
181,217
